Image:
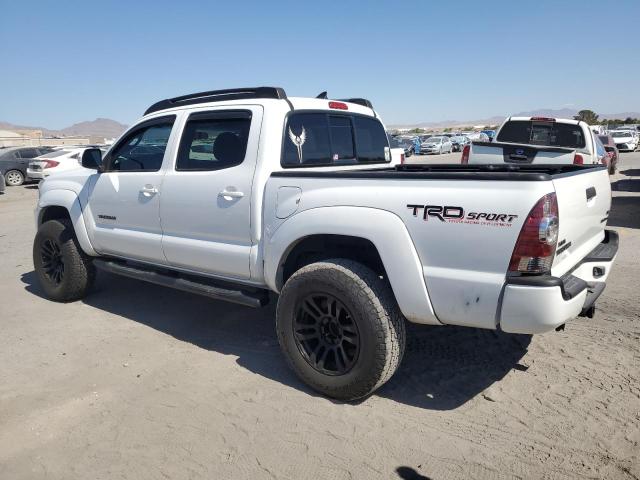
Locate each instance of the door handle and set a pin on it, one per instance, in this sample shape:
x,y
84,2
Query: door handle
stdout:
x,y
148,190
227,194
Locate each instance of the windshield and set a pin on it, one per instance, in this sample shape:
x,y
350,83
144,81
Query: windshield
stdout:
x,y
550,134
620,134
433,140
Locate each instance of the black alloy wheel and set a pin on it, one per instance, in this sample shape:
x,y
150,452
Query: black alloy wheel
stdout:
x,y
52,261
326,334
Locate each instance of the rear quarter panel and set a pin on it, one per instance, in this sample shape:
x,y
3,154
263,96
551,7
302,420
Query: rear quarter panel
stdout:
x,y
463,262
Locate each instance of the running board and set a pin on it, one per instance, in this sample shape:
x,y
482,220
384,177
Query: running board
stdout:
x,y
254,299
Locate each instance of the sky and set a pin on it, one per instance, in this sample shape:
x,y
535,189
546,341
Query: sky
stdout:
x,y
69,61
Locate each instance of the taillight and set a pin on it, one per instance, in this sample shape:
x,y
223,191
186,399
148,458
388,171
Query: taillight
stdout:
x,y
465,154
402,159
538,237
50,164
578,159
338,105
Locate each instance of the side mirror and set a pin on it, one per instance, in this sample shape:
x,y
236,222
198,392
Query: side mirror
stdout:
x,y
92,158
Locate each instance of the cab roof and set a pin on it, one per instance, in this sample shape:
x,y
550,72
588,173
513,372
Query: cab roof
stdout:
x,y
357,105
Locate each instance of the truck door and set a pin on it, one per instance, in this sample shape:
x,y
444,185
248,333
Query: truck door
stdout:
x,y
124,201
205,205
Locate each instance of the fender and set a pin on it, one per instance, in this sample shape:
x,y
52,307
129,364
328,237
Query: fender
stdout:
x,y
67,199
382,228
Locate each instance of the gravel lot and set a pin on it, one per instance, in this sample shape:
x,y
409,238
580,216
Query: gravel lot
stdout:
x,y
142,382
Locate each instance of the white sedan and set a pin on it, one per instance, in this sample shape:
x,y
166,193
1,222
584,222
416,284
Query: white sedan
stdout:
x,y
57,161
625,139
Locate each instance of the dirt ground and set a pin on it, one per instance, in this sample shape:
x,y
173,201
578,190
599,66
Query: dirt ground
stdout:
x,y
142,382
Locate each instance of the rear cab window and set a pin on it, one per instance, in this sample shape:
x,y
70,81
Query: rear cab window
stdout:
x,y
313,139
544,133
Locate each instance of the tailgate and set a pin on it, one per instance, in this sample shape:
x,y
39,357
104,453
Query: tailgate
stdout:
x,y
584,200
495,152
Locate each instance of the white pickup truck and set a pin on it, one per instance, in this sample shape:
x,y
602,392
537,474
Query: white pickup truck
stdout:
x,y
539,140
238,193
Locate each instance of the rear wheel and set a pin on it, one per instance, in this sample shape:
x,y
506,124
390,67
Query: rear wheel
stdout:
x,y
14,178
340,328
64,271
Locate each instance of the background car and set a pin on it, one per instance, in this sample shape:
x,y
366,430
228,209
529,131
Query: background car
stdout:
x,y
458,142
612,152
406,144
625,139
1,183
478,137
439,145
15,160
490,133
58,160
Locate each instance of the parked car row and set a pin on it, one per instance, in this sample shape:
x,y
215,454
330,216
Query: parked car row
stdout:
x,y
19,164
14,162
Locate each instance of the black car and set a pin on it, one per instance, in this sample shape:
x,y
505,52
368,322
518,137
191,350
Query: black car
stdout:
x,y
406,145
14,162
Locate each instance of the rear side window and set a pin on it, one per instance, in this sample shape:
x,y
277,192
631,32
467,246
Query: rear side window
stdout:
x,y
550,134
28,153
214,141
324,139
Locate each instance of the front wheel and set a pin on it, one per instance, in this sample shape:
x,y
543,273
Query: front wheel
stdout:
x,y
63,270
340,328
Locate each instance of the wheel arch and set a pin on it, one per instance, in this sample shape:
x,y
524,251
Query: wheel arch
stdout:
x,y
64,204
375,237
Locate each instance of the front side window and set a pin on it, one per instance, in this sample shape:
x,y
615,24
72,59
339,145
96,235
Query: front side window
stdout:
x,y
324,139
214,142
143,149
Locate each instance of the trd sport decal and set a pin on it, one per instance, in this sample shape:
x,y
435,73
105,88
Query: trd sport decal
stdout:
x,y
452,214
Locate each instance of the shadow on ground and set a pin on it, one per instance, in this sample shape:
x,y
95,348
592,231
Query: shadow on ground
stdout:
x,y
625,209
443,368
408,473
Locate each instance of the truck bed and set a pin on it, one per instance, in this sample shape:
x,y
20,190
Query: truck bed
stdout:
x,y
463,220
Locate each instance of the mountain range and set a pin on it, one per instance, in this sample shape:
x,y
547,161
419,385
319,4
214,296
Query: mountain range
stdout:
x,y
100,127
105,127
497,120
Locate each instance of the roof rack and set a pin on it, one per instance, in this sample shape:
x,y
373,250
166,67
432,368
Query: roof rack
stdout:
x,y
217,96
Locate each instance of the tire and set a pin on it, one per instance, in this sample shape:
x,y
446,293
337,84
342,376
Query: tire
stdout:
x,y
14,178
56,244
366,346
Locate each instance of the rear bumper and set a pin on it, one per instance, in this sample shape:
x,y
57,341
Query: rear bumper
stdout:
x,y
35,174
538,304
